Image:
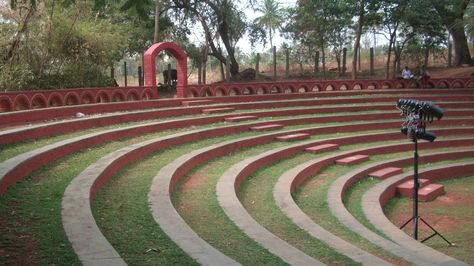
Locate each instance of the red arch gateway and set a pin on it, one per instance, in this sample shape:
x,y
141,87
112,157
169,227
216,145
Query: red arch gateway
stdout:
x,y
181,65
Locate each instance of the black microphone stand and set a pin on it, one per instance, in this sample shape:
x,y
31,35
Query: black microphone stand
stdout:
x,y
416,217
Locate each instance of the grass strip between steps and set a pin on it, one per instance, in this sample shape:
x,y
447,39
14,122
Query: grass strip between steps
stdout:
x,y
197,203
353,196
256,194
125,199
311,197
30,211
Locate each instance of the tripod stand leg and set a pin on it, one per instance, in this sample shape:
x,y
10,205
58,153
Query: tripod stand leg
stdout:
x,y
435,233
407,222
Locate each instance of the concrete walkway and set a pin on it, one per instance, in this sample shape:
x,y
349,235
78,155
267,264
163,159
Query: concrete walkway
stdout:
x,y
87,240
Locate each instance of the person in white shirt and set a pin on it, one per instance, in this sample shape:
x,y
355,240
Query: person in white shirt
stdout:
x,y
406,73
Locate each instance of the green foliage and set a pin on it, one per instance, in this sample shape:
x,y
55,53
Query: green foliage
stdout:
x,y
413,52
15,77
141,6
271,18
469,21
63,47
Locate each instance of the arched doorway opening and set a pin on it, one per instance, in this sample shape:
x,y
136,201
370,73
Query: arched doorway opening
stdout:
x,y
181,65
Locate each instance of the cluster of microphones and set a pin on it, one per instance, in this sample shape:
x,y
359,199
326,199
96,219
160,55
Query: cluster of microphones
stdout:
x,y
418,113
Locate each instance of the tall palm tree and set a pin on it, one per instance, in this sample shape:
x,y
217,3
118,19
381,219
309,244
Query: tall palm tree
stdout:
x,y
272,17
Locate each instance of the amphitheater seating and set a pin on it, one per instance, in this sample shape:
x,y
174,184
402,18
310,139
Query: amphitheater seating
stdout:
x,y
321,124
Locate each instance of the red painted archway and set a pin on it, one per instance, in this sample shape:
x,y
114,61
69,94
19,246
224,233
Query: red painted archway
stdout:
x,y
181,65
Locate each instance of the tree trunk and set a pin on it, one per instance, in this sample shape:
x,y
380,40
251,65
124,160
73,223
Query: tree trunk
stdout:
x,y
323,60
17,37
223,30
394,65
450,62
391,44
387,66
156,36
344,56
461,50
357,44
396,61
427,55
271,38
316,63
451,21
338,61
204,51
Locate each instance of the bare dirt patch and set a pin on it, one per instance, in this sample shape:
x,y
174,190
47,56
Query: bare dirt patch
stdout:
x,y
454,72
451,215
195,180
16,248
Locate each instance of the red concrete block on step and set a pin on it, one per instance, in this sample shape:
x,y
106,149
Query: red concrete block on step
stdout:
x,y
267,127
196,102
386,172
291,137
353,159
217,110
322,148
406,188
240,118
430,192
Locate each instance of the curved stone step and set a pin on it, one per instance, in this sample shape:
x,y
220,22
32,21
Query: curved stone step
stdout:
x,y
68,126
76,202
342,183
371,205
79,224
160,202
240,118
286,185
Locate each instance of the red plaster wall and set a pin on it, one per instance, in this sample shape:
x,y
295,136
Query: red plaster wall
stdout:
x,y
181,65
